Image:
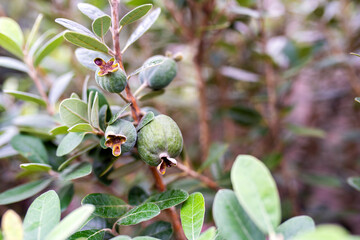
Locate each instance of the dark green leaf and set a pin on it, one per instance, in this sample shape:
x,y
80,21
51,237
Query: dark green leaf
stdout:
x,y
46,49
84,235
12,63
85,41
59,86
79,153
169,198
137,196
29,97
66,194
354,182
73,111
101,25
245,116
106,205
149,116
69,143
135,14
74,26
24,191
118,114
139,214
161,230
295,226
78,170
90,10
30,147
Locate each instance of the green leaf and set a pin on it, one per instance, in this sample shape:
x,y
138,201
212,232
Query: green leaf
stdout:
x,y
30,147
169,198
146,66
137,196
135,14
94,118
121,237
142,28
71,223
10,46
151,95
69,143
81,127
118,114
295,226
29,97
42,216
75,171
59,86
256,191
307,131
74,26
86,57
66,194
245,116
90,10
231,219
217,150
24,191
325,232
354,182
161,230
34,30
192,215
11,226
89,235
14,64
73,111
139,214
101,25
46,49
85,41
149,116
79,153
106,205
59,130
36,167
209,234
40,41
12,30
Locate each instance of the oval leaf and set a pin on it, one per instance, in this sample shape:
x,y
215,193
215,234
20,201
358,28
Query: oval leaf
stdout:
x,y
86,57
69,143
232,220
35,167
192,215
295,226
71,223
14,64
142,28
325,232
118,114
78,170
66,194
139,214
46,49
59,130
90,10
24,191
11,226
12,30
42,216
106,205
169,198
161,230
135,14
29,97
74,26
101,25
81,127
137,195
73,111
256,191
85,41
149,116
10,46
30,147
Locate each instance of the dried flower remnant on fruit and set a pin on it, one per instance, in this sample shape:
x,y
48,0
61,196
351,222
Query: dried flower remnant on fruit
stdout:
x,y
114,142
106,67
166,161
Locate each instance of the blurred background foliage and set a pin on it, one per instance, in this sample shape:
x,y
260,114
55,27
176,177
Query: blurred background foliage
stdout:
x,y
273,79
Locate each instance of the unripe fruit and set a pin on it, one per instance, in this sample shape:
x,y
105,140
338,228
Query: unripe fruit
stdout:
x,y
159,76
120,136
159,142
109,76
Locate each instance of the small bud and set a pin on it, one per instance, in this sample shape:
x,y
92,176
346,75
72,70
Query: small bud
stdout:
x,y
178,57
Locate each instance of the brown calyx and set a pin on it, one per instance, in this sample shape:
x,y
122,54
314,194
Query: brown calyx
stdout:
x,y
106,67
166,161
114,142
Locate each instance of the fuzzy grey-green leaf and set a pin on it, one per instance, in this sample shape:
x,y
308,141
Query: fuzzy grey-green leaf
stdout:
x,y
101,25
85,41
139,214
106,205
168,198
135,14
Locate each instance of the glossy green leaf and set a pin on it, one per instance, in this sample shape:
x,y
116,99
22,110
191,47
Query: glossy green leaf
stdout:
x,y
209,234
149,116
118,114
139,214
81,127
36,167
325,232
59,130
161,230
75,171
90,10
94,118
151,95
88,235
12,63
69,143
192,215
71,223
232,220
73,111
34,30
42,216
24,191
143,27
74,26
135,14
66,194
29,97
47,48
354,182
10,46
295,226
11,226
101,25
106,205
30,147
86,57
256,191
137,196
168,198
217,150
59,86
85,41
